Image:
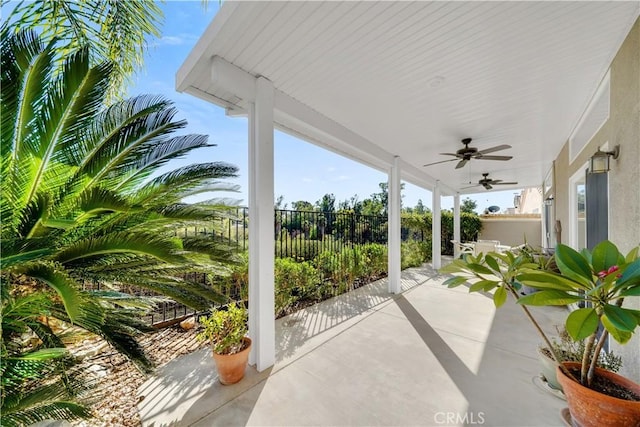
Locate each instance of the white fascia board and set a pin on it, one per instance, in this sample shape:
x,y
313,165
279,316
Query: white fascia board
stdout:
x,y
205,96
188,71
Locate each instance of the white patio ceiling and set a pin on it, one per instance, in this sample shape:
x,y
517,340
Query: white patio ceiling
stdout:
x,y
414,78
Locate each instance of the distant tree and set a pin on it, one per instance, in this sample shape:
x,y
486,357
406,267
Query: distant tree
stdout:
x,y
380,199
373,207
420,209
468,206
302,205
327,203
279,203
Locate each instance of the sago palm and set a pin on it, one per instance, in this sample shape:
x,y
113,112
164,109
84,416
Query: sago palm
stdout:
x,y
84,199
114,30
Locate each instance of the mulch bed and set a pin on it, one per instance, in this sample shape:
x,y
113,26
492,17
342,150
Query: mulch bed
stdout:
x,y
113,401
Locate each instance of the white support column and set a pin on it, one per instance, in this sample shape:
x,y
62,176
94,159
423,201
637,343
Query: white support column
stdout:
x,y
261,231
436,227
456,224
394,228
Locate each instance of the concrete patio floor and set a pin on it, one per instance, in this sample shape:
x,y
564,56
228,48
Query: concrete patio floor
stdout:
x,y
430,356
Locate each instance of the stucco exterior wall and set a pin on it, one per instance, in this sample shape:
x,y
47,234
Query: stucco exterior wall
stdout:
x,y
622,128
512,231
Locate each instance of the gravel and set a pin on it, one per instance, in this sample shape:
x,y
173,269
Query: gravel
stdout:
x,y
113,400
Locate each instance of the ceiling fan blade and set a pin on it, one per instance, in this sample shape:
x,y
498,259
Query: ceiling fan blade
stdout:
x,y
494,181
461,163
449,154
441,161
493,149
487,186
470,186
504,183
481,157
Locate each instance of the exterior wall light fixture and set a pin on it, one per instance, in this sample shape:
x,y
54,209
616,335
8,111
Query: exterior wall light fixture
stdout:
x,y
599,162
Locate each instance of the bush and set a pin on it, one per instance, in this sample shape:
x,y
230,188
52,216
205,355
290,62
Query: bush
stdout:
x,y
303,249
414,253
293,281
376,259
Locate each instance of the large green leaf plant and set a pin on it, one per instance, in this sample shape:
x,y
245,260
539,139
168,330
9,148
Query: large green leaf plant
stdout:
x,y
598,281
86,197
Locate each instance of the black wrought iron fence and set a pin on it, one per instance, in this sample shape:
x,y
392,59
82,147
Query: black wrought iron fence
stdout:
x,y
301,235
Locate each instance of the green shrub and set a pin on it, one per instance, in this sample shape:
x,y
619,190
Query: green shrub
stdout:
x,y
293,281
414,253
225,329
376,259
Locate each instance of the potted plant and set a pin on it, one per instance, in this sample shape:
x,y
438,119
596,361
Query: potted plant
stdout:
x,y
601,279
226,330
570,351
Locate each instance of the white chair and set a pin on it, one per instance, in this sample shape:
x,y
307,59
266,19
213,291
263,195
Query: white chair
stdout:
x,y
460,249
484,247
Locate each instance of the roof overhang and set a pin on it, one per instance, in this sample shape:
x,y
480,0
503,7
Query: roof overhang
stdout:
x,y
372,81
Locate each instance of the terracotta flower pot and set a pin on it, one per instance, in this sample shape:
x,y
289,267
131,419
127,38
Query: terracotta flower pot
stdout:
x,y
590,408
231,367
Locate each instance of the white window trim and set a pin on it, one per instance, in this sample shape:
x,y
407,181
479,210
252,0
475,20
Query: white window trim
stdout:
x,y
573,205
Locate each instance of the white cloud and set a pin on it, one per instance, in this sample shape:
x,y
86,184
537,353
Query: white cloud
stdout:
x,y
331,169
177,40
342,178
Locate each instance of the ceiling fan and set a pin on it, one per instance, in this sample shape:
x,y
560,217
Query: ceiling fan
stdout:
x,y
488,183
467,153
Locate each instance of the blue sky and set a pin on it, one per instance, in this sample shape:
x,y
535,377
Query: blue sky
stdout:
x,y
303,171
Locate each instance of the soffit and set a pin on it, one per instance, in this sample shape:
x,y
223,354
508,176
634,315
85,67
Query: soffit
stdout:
x,y
517,73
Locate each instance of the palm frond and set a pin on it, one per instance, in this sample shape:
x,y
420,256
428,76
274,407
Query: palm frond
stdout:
x,y
26,68
156,246
158,155
57,410
71,104
61,282
117,326
192,294
184,179
33,388
21,256
96,200
186,212
120,154
212,186
116,30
